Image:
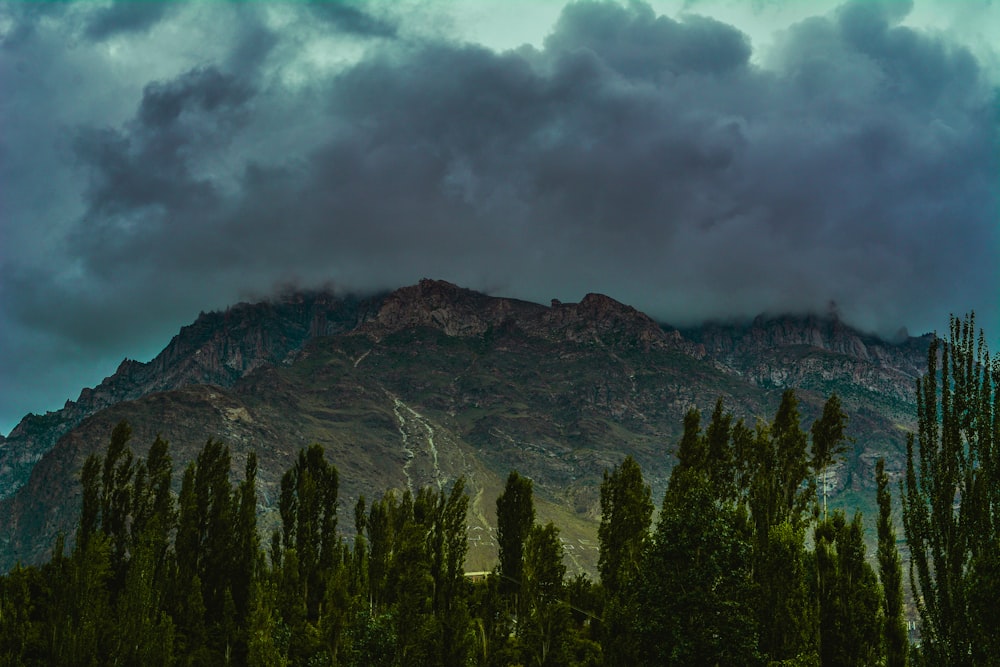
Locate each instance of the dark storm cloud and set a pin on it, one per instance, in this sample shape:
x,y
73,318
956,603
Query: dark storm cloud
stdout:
x,y
125,16
202,90
23,17
638,43
141,178
648,158
634,154
352,19
103,21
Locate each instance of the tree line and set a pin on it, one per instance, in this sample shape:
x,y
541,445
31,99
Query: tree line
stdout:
x,y
743,565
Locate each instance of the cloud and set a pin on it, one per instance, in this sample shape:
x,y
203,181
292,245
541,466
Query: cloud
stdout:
x,y
123,16
150,161
656,159
351,19
639,44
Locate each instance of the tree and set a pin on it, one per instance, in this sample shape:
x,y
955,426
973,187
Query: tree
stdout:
x,y
778,493
791,465
412,579
777,470
153,513
515,517
786,606
90,481
695,598
720,452
891,575
542,630
20,634
116,496
246,550
90,626
381,539
187,542
450,587
308,507
828,439
626,513
144,632
849,597
214,493
202,596
454,543
951,498
262,647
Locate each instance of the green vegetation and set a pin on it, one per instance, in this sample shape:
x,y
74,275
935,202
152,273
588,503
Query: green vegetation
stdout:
x,y
951,501
743,565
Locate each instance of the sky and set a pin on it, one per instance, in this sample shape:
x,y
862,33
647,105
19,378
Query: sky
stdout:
x,y
712,159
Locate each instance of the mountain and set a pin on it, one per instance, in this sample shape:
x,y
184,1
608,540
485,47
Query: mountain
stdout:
x,y
433,381
218,348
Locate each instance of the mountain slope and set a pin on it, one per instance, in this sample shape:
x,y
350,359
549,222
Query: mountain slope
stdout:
x,y
433,381
218,348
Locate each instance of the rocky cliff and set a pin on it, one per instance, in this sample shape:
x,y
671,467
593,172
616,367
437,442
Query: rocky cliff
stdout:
x,y
813,351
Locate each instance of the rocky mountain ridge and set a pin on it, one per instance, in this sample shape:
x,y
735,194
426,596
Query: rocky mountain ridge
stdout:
x,y
217,348
434,381
817,353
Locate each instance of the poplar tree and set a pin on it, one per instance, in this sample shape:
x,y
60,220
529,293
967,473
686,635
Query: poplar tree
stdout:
x,y
245,550
828,439
515,517
308,507
543,629
849,599
450,587
116,499
891,575
379,529
696,594
412,579
90,481
779,491
626,513
951,500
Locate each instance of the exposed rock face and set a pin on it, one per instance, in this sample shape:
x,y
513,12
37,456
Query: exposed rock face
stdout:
x,y
434,381
732,343
601,319
461,312
814,352
218,348
453,310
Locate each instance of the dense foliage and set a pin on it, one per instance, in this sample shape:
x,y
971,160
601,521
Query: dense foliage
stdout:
x,y
951,501
743,565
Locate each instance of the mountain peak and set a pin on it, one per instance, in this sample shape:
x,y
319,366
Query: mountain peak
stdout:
x,y
455,310
600,319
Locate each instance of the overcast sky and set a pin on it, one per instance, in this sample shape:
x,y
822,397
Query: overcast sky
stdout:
x,y
699,159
